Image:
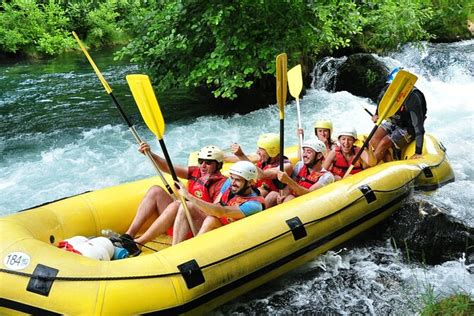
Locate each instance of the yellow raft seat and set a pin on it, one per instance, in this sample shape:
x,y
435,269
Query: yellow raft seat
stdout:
x,y
201,273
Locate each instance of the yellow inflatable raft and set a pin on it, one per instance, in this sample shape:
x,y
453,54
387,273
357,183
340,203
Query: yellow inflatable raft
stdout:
x,y
37,277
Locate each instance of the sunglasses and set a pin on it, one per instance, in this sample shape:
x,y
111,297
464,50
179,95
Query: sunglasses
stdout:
x,y
206,161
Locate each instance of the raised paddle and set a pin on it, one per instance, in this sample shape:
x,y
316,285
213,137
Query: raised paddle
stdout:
x,y
391,102
147,103
281,88
295,82
122,113
366,110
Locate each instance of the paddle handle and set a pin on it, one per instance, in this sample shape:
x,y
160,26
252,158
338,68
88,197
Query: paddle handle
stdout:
x,y
175,178
282,137
368,112
299,126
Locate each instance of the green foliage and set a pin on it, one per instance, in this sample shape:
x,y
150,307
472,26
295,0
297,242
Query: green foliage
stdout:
x,y
458,305
450,19
35,26
99,22
28,26
227,46
391,23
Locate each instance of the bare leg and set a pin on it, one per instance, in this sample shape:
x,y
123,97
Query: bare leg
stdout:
x,y
379,134
161,224
382,148
289,198
209,223
181,226
152,206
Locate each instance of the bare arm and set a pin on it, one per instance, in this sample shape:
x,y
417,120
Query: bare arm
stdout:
x,y
181,172
327,164
238,155
211,209
272,173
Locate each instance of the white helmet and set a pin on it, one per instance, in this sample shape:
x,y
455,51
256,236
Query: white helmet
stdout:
x,y
211,152
348,132
316,145
245,169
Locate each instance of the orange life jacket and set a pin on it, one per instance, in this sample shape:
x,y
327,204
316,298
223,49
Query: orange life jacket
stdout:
x,y
341,165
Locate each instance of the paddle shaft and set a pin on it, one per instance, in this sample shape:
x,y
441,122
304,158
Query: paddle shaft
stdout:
x,y
299,127
368,112
357,156
282,128
122,113
175,178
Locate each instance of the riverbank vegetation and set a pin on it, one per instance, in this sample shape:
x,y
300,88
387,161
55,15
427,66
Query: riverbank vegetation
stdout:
x,y
459,305
226,47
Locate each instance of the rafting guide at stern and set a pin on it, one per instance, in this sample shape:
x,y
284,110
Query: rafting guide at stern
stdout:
x,y
400,129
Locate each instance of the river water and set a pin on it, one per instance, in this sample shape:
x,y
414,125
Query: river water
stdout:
x,y
60,135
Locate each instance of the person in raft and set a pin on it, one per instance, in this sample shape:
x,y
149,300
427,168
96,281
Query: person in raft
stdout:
x,y
340,158
268,163
204,182
323,132
238,198
309,175
404,126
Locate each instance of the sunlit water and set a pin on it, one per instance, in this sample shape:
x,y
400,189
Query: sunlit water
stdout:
x,y
61,136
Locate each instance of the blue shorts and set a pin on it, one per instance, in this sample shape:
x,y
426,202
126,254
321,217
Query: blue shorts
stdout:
x,y
400,137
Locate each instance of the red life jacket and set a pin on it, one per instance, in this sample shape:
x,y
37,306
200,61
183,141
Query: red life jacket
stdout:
x,y
269,183
229,199
199,185
341,165
306,179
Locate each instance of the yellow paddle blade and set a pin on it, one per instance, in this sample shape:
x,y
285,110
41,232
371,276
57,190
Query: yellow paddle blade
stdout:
x,y
295,81
97,71
281,82
147,103
396,94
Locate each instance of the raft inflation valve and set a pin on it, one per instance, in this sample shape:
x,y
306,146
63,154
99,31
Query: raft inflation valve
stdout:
x,y
42,280
297,228
368,193
192,273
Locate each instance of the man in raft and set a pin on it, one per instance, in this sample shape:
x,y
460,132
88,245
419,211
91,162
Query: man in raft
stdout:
x,y
204,182
404,126
267,161
237,199
308,175
340,158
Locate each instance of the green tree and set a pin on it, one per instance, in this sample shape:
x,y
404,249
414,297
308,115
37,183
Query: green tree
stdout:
x,y
227,46
26,25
